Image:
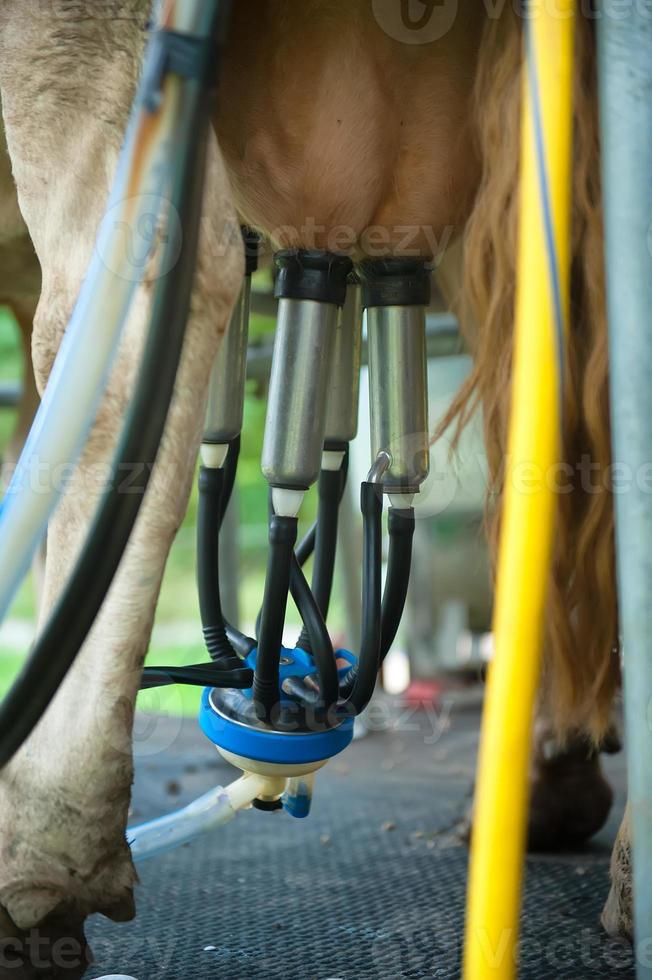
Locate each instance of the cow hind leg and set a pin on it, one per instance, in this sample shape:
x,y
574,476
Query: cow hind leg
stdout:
x,y
617,917
64,799
570,799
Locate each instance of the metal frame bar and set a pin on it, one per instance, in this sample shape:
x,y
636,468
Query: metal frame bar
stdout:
x,y
626,101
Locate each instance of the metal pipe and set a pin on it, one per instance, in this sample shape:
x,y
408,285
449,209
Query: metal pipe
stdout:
x,y
226,393
396,295
349,564
10,394
344,391
443,339
296,412
311,286
625,49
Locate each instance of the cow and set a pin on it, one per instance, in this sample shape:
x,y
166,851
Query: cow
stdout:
x,y
336,119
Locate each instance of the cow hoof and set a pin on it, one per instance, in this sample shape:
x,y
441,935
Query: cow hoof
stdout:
x,y
55,950
570,798
617,917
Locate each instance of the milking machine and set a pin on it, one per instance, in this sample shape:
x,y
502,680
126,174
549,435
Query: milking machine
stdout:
x,y
280,712
277,712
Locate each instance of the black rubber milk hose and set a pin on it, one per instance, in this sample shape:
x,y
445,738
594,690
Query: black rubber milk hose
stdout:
x,y
359,684
209,517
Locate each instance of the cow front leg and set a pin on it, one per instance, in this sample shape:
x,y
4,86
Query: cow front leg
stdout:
x,y
66,93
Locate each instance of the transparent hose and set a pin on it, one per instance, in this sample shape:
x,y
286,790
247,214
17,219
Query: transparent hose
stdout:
x,y
120,260
206,813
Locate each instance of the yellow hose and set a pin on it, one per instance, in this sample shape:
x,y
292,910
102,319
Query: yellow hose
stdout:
x,y
502,796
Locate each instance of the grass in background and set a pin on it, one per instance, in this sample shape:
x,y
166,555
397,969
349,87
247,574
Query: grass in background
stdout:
x,y
11,367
